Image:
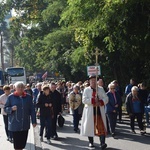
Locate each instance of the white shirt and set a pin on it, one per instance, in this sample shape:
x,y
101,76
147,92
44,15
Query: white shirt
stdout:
x,y
3,99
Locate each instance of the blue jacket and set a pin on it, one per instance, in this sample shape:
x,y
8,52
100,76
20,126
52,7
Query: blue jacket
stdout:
x,y
129,104
128,89
35,94
19,120
110,106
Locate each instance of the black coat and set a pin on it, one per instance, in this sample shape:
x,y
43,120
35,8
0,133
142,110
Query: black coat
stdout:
x,y
41,101
129,104
56,101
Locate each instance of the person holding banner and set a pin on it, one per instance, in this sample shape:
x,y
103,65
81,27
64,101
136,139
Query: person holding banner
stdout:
x,y
94,119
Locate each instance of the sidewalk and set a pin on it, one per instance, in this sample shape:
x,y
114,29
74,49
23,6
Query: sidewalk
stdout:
x,y
6,145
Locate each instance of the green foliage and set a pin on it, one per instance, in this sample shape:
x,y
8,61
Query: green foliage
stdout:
x,y
60,36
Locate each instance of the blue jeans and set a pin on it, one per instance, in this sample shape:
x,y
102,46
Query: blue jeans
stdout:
x,y
46,122
76,118
147,110
112,120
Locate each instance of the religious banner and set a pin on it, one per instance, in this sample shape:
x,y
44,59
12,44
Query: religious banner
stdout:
x,y
92,70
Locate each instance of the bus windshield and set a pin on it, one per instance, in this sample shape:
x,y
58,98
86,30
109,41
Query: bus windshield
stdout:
x,y
15,72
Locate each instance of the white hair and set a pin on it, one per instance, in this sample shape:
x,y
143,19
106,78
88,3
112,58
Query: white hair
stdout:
x,y
19,84
135,88
110,85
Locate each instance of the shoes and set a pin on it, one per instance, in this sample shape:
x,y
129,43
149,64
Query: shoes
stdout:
x,y
55,137
91,145
11,140
48,141
45,136
120,121
103,146
41,139
142,132
76,130
133,131
113,134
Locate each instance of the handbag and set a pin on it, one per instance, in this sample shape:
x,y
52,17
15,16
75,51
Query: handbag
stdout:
x,y
61,121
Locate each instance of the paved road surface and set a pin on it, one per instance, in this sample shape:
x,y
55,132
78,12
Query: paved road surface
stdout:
x,y
68,140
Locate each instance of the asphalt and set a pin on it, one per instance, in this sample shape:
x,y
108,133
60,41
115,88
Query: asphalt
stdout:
x,y
68,140
124,139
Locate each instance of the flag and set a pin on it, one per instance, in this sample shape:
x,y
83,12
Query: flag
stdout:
x,y
44,75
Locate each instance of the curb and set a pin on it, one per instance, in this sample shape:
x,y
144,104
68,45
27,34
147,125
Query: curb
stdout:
x,y
38,144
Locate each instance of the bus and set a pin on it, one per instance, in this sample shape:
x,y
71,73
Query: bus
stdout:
x,y
15,74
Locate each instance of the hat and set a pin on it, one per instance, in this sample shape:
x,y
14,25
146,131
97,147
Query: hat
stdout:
x,y
45,87
91,77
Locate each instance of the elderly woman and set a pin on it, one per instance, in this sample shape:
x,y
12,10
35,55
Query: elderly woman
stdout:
x,y
19,107
135,108
112,107
75,101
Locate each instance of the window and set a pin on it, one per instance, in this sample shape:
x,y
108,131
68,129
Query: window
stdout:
x,y
15,72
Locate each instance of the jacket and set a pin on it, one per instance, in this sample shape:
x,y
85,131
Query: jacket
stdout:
x,y
56,101
129,104
110,106
19,120
42,99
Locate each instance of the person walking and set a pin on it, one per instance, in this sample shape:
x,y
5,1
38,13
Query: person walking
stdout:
x,y
112,107
35,92
44,102
135,109
75,102
3,99
19,107
29,90
56,101
120,94
94,119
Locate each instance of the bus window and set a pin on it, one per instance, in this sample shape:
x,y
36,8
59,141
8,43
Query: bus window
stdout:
x,y
15,72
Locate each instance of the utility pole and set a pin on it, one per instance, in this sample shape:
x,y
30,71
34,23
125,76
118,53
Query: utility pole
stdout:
x,y
2,53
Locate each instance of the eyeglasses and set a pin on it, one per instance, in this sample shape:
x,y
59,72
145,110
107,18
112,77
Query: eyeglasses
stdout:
x,y
112,88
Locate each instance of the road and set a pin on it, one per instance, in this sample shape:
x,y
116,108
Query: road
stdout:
x,y
68,140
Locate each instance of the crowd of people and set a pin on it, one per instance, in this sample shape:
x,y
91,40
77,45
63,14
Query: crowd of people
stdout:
x,y
97,106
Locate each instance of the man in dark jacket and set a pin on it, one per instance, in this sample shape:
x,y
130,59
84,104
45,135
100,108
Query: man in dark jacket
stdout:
x,y
56,101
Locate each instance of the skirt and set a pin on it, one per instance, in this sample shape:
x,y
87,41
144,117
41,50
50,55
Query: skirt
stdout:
x,y
20,139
